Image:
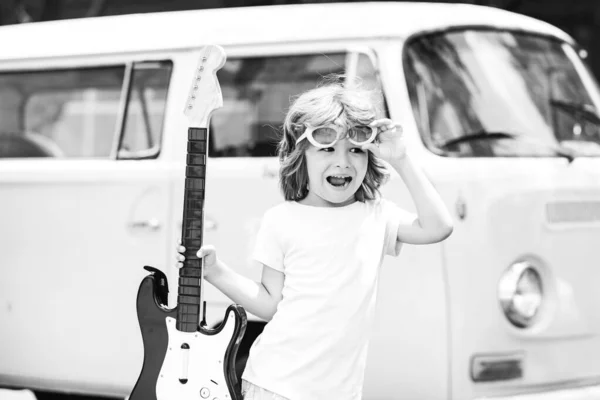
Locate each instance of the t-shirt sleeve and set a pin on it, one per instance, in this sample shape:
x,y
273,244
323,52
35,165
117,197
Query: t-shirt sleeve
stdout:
x,y
267,248
394,216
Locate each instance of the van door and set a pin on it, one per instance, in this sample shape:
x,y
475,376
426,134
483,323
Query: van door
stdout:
x,y
83,204
243,179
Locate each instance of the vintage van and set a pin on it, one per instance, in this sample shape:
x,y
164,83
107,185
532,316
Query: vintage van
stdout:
x,y
498,108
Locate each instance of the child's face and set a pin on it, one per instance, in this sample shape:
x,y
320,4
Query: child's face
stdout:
x,y
335,173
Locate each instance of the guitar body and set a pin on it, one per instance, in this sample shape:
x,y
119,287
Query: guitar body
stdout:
x,y
211,354
183,358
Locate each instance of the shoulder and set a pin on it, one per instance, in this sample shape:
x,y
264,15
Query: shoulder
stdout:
x,y
279,212
378,204
280,209
388,208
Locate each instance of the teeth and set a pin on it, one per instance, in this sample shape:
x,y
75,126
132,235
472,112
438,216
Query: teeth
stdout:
x,y
341,180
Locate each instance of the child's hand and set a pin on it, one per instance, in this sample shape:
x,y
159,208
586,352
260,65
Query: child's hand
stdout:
x,y
207,252
389,144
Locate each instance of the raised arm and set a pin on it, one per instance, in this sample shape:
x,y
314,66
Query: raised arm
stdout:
x,y
434,222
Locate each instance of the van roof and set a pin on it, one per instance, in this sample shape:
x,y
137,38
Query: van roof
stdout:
x,y
250,25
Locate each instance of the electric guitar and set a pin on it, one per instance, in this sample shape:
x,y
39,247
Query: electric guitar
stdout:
x,y
183,358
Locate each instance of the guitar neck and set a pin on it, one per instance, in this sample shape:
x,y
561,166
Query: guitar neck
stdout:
x,y
190,307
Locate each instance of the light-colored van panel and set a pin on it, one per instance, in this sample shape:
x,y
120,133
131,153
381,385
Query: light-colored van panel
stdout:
x,y
77,229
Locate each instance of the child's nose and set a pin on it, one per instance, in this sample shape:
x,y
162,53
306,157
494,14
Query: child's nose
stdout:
x,y
342,159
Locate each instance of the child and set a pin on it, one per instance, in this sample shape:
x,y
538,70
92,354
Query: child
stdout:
x,y
321,249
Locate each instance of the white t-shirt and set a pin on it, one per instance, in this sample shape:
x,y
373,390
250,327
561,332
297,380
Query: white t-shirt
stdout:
x,y
315,347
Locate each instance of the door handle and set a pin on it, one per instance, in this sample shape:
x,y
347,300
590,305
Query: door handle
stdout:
x,y
270,172
151,224
210,224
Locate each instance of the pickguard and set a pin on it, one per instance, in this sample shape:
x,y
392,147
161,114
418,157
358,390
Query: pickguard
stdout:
x,y
193,367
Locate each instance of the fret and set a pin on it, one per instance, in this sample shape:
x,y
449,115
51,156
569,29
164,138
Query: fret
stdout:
x,y
183,299
196,159
197,195
194,213
195,200
194,224
194,183
194,243
200,134
190,309
189,290
195,171
185,281
191,204
191,268
195,234
196,147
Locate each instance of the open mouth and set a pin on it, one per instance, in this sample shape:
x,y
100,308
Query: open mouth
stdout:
x,y
339,181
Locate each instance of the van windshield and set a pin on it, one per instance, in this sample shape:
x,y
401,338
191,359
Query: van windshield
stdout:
x,y
485,93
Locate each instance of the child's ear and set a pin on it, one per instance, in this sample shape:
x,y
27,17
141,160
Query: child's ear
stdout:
x,y
297,129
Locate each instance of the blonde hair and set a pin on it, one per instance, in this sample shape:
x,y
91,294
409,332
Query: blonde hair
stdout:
x,y
333,100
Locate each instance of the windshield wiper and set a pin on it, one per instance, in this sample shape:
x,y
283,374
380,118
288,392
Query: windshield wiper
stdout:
x,y
587,111
479,135
495,135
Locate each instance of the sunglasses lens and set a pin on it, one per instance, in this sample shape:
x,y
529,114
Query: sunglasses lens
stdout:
x,y
324,136
361,133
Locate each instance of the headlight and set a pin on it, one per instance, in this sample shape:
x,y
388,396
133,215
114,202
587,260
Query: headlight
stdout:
x,y
520,292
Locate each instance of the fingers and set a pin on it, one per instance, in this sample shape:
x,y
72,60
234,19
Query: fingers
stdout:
x,y
205,250
180,257
385,125
372,147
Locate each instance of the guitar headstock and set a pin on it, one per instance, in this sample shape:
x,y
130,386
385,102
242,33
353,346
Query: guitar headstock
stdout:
x,y
205,93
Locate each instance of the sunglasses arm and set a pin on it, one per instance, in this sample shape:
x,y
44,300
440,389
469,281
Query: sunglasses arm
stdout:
x,y
303,136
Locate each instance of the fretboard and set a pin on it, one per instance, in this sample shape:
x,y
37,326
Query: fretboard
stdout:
x,y
189,299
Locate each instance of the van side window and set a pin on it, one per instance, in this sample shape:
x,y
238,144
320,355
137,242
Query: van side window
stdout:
x,y
257,94
59,113
78,113
147,99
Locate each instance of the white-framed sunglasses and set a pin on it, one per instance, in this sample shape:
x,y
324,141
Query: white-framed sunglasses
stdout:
x,y
326,136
